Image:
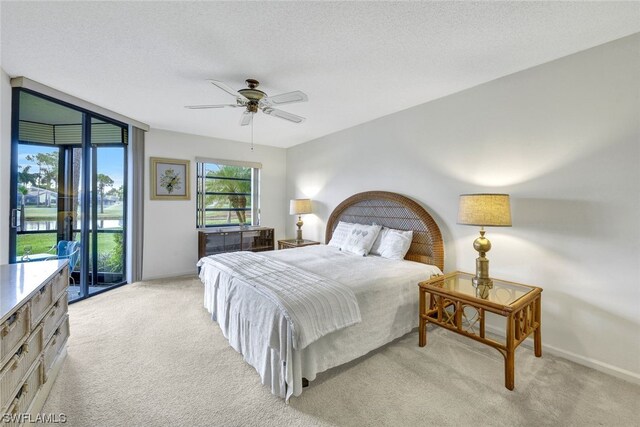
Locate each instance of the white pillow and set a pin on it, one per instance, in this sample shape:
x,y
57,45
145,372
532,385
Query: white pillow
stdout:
x,y
375,248
394,244
340,234
361,238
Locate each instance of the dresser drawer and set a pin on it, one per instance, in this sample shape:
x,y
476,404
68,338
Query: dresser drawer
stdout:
x,y
40,303
53,348
60,283
12,332
21,401
14,371
53,317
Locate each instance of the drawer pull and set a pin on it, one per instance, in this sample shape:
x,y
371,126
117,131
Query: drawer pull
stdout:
x,y
11,323
8,328
21,395
17,358
52,312
14,362
13,409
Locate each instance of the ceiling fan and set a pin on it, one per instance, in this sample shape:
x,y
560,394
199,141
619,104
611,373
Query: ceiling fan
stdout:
x,y
253,99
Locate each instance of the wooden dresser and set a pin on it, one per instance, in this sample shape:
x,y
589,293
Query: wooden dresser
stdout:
x,y
34,327
230,239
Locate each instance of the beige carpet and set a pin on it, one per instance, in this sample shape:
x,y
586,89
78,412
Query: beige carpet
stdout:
x,y
148,355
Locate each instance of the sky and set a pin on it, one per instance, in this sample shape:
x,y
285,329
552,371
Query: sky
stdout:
x,y
110,160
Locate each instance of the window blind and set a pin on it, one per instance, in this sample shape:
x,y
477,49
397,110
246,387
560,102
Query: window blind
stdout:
x,y
240,163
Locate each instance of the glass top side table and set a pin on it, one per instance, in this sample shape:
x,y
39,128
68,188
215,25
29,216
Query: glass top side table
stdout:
x,y
455,304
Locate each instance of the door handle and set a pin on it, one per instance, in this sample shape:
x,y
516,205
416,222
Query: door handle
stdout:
x,y
14,218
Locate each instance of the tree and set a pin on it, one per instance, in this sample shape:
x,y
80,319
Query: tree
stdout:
x,y
118,193
232,187
103,182
114,192
47,176
26,177
23,193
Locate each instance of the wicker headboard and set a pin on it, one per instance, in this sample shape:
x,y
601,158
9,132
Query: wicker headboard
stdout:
x,y
394,211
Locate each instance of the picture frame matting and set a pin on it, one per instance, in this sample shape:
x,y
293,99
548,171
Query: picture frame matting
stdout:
x,y
170,179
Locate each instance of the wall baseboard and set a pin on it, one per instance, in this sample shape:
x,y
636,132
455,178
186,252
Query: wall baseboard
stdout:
x,y
581,360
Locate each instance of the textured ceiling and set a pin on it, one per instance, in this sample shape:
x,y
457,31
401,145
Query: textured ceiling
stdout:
x,y
357,61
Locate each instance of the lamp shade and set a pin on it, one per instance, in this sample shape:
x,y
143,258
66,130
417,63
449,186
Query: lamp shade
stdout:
x,y
300,206
485,210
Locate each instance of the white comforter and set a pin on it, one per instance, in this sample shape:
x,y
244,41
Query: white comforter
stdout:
x,y
386,292
313,305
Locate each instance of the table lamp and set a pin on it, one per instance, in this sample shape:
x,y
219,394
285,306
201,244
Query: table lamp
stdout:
x,y
485,210
299,207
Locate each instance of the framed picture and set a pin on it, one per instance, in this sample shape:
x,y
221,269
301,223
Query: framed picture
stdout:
x,y
169,179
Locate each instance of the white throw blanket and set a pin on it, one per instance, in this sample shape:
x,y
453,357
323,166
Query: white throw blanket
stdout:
x,y
314,306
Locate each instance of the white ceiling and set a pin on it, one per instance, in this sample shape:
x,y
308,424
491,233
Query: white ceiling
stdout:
x,y
357,61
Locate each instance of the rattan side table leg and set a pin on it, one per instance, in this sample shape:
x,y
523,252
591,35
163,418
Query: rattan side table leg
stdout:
x,y
537,335
509,362
422,329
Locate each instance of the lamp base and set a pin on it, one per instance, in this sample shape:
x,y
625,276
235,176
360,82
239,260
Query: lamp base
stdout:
x,y
299,231
482,245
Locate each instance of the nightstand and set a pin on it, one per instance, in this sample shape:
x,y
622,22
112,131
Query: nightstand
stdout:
x,y
293,243
455,304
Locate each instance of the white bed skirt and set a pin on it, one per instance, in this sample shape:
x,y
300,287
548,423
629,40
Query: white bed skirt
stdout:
x,y
387,294
247,341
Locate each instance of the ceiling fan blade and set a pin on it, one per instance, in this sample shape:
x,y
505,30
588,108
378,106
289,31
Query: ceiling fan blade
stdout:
x,y
202,107
284,98
283,115
246,118
225,87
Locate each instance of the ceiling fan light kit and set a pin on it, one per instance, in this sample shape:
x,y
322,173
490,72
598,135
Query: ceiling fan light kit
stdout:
x,y
252,94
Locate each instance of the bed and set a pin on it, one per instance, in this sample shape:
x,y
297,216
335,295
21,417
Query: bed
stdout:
x,y
385,290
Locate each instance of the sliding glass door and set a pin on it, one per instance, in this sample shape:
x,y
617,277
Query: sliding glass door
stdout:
x,y
68,192
106,206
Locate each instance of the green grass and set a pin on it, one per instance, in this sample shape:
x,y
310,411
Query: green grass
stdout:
x,y
42,242
39,243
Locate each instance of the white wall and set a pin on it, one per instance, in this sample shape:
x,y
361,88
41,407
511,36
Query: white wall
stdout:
x,y
170,236
561,138
5,163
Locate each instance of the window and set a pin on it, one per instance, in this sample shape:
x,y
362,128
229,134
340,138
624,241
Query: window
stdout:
x,y
227,193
